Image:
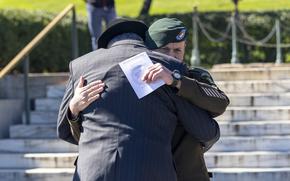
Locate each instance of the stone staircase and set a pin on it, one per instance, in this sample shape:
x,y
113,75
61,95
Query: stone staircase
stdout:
x,y
255,129
254,143
33,153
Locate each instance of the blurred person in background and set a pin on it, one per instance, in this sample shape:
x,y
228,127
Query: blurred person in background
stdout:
x,y
99,10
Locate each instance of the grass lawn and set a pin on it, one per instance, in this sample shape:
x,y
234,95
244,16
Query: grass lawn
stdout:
x,y
132,7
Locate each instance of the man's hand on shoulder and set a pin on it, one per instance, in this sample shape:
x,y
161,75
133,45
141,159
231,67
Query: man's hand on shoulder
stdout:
x,y
85,95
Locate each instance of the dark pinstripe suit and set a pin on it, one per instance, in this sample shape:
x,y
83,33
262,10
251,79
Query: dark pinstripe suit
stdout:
x,y
124,138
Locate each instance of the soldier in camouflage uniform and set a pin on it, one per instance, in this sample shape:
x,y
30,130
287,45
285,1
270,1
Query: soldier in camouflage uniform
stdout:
x,y
168,36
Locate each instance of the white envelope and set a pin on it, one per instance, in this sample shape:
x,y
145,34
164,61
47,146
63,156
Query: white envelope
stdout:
x,y
134,69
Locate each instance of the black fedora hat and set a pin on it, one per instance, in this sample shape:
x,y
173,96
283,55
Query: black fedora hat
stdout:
x,y
119,26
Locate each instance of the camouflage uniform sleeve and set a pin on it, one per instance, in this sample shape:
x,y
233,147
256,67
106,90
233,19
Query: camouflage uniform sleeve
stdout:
x,y
199,88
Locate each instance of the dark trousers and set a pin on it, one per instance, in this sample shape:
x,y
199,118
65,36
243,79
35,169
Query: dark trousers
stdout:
x,y
188,157
95,18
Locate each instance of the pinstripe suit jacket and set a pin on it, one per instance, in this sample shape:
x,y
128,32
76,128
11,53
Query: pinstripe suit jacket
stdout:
x,y
125,138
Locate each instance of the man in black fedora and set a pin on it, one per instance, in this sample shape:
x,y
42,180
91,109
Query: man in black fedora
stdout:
x,y
124,138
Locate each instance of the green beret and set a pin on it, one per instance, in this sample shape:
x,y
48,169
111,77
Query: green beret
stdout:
x,y
164,31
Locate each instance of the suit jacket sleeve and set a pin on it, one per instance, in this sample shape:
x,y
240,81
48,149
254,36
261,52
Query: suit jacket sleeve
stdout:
x,y
197,122
63,126
200,89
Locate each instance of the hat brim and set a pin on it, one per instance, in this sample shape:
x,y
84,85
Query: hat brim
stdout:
x,y
125,26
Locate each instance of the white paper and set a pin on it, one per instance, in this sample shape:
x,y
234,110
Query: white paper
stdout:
x,y
134,68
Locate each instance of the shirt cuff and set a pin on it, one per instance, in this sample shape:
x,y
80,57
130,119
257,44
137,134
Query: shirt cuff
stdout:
x,y
71,117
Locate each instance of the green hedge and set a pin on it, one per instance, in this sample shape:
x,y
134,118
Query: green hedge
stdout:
x,y
17,28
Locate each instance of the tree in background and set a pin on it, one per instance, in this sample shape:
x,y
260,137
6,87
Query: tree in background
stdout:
x,y
145,8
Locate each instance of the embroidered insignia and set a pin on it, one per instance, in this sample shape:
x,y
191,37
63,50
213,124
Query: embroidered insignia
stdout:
x,y
181,35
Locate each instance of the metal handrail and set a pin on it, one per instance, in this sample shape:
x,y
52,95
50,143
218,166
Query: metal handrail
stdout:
x,y
36,40
23,55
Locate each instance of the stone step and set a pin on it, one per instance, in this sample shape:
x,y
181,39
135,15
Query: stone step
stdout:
x,y
219,174
226,143
252,143
250,65
35,146
251,174
37,160
250,99
255,128
55,91
11,86
234,113
33,131
37,174
43,117
260,99
256,99
254,73
255,86
245,113
237,99
262,159
244,86
246,128
47,104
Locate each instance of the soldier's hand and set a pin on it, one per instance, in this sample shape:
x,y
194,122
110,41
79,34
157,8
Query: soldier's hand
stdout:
x,y
85,95
158,71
